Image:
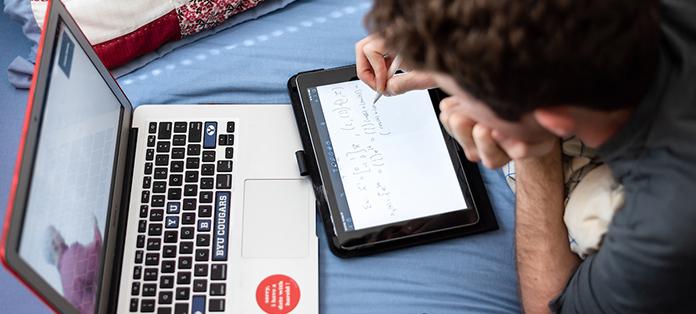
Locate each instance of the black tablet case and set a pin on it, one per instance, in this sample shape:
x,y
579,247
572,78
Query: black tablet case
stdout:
x,y
308,167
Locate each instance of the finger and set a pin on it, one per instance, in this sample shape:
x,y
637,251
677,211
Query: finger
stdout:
x,y
409,81
461,127
375,54
492,156
446,106
362,65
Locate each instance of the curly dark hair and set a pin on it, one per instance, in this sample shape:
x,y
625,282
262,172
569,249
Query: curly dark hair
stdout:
x,y
519,55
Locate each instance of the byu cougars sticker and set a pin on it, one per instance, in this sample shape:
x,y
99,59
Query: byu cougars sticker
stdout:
x,y
278,294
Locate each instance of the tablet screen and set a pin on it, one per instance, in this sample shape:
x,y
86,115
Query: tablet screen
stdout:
x,y
388,161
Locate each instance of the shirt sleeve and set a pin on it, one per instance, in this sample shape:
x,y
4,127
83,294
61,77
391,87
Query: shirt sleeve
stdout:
x,y
647,261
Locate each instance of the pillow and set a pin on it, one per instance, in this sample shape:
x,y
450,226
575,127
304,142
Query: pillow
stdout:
x,y
122,30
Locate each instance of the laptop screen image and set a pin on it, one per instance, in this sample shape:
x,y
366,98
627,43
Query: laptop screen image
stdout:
x,y
67,205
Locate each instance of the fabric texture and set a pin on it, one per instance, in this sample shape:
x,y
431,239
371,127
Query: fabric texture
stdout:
x,y
123,30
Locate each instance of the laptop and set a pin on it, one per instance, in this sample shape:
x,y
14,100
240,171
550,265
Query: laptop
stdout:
x,y
158,209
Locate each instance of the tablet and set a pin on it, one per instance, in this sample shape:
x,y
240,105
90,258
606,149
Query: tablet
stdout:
x,y
386,174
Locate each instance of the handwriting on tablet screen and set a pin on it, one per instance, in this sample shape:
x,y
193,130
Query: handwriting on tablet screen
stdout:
x,y
391,155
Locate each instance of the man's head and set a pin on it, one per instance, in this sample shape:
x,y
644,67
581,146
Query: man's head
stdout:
x,y
54,245
518,56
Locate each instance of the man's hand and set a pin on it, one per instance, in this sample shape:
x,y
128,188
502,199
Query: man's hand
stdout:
x,y
373,59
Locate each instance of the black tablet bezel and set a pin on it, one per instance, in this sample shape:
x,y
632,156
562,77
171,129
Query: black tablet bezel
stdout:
x,y
384,237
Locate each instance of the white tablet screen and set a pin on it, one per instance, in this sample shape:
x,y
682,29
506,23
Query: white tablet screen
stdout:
x,y
389,160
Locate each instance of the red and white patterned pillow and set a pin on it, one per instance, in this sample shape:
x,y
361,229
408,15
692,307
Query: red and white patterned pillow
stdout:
x,y
122,30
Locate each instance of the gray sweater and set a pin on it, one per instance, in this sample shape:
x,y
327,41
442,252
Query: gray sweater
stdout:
x,y
647,262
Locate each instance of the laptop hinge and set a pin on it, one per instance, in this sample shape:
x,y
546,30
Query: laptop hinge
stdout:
x,y
301,163
114,285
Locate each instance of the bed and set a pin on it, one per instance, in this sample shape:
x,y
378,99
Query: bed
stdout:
x,y
250,63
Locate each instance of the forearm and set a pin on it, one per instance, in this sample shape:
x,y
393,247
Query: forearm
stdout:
x,y
544,260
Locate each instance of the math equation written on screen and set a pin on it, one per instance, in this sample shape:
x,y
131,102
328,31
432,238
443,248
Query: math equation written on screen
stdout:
x,y
360,134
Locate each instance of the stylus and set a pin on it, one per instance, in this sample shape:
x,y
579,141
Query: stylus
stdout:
x,y
390,73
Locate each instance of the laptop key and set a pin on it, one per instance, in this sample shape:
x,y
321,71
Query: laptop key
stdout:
x,y
208,169
190,190
207,183
187,232
143,211
229,152
168,266
157,214
224,166
137,272
206,197
164,310
147,306
223,181
173,207
216,305
200,285
152,259
183,278
178,153
163,147
185,262
179,127
174,194
198,304
218,271
140,242
149,290
193,149
150,274
182,293
154,229
210,134
139,256
217,289
145,197
150,154
166,282
161,160
188,218
152,129
230,127
205,211
171,236
190,204
159,187
165,297
222,140
179,140
157,201
230,140
169,251
153,244
148,168
172,222
200,270
204,226
164,131
176,180
161,173
135,288
195,131
191,176
134,305
193,162
147,182
209,156
202,255
142,225
151,141
185,247
177,166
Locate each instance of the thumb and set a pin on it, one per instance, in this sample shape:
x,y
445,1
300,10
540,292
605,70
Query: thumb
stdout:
x,y
405,82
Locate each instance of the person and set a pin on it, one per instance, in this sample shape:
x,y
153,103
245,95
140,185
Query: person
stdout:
x,y
617,74
78,266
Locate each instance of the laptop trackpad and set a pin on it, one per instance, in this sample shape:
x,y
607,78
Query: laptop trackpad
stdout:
x,y
276,218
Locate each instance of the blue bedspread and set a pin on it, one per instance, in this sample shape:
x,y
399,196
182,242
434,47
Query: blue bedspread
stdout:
x,y
250,63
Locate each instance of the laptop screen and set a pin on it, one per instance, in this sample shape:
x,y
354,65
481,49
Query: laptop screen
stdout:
x,y
66,211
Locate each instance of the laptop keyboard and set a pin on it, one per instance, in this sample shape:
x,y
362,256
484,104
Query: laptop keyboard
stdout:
x,y
181,246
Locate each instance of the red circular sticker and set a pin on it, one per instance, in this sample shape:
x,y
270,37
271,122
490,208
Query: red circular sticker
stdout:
x,y
278,294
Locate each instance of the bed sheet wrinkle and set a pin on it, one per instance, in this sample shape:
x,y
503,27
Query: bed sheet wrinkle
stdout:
x,y
251,63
